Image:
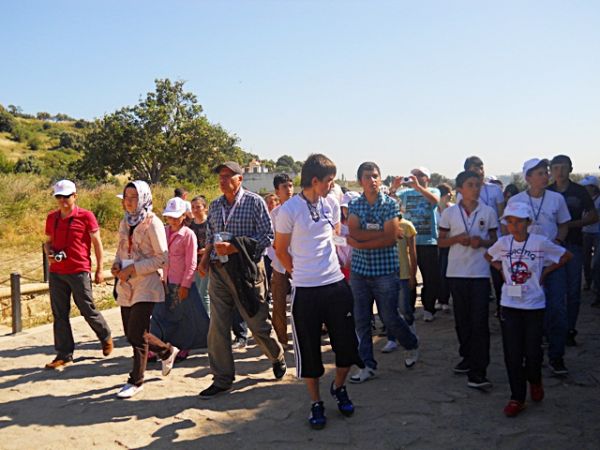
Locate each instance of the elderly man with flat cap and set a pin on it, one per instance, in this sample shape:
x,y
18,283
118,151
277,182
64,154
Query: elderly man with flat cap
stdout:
x,y
239,229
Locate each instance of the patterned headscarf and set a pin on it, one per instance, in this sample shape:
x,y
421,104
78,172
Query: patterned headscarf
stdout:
x,y
144,205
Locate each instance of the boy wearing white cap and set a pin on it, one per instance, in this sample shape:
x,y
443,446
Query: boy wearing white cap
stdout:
x,y
71,232
550,216
525,259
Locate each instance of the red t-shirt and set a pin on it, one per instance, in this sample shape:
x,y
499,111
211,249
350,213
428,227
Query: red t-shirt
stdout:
x,y
72,234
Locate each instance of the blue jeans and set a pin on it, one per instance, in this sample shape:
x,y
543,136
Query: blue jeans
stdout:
x,y
555,317
596,266
406,308
202,287
384,290
574,270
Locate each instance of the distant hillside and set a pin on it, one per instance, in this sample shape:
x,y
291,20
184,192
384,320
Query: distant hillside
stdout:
x,y
42,145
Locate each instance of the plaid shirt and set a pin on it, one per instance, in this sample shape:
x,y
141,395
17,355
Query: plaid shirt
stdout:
x,y
379,261
250,219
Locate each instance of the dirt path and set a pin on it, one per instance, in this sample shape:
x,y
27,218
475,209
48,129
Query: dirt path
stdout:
x,y
425,407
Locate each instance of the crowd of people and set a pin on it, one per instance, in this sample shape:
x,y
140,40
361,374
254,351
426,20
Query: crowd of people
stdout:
x,y
221,269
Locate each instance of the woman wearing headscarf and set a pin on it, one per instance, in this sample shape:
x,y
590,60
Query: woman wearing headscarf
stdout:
x,y
142,251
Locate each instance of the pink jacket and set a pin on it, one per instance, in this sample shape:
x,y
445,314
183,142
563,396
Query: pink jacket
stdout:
x,y
183,249
149,252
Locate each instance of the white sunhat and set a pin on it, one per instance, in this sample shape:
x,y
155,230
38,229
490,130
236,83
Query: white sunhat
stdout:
x,y
589,180
424,170
348,197
175,208
532,164
64,187
517,209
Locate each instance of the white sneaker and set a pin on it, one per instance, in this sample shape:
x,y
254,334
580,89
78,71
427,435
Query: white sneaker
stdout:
x,y
129,390
411,357
167,364
428,317
389,347
362,375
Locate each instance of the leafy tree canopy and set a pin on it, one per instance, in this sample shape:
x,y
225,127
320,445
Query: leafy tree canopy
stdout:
x,y
165,135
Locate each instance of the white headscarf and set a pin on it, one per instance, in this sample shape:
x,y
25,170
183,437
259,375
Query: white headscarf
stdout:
x,y
144,205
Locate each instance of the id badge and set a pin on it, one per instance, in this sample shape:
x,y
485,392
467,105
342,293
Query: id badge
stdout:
x,y
372,226
515,290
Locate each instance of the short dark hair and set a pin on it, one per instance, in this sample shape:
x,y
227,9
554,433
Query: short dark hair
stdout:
x,y
316,165
562,159
368,165
472,161
444,189
179,192
464,176
280,179
201,199
512,189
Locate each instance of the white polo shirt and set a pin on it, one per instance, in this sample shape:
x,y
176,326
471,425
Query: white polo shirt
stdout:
x,y
549,211
524,262
465,261
314,258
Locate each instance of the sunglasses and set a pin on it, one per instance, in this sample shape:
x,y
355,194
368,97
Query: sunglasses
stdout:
x,y
59,196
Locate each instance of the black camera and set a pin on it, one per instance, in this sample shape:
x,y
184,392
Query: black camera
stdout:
x,y
60,256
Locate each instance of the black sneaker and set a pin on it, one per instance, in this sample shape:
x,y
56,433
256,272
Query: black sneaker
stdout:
x,y
343,401
279,369
479,382
317,419
558,366
212,391
570,342
462,367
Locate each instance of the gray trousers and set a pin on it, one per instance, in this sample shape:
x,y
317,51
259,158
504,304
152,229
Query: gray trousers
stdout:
x,y
61,288
223,301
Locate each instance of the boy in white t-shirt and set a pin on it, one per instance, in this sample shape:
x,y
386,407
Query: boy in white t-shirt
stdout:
x,y
304,245
468,228
550,218
525,260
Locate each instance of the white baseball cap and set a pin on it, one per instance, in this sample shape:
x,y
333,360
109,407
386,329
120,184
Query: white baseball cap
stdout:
x,y
64,187
348,197
532,164
424,170
517,209
175,208
589,180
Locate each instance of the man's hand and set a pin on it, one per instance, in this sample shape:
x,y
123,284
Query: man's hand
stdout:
x,y
225,248
203,267
99,277
115,269
182,293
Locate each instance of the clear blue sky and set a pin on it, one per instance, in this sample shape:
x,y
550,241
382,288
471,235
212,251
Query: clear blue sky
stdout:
x,y
402,83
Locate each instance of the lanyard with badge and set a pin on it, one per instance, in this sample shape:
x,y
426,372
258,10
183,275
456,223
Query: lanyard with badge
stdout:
x,y
486,200
314,212
467,227
515,289
227,218
535,227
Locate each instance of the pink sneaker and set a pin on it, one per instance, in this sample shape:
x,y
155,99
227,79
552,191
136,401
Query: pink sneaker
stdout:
x,y
183,354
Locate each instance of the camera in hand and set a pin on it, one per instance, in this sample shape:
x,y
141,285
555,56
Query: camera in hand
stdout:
x,y
406,179
60,256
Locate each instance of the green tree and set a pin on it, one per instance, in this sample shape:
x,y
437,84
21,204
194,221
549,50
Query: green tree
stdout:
x,y
437,178
43,116
7,122
164,135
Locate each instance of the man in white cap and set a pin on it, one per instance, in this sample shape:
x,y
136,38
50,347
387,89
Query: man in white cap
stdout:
x,y
550,218
419,203
71,232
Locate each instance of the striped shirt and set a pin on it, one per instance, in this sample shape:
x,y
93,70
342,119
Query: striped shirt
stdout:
x,y
247,216
379,261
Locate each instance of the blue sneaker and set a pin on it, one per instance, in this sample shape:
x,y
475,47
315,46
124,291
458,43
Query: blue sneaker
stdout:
x,y
341,397
317,419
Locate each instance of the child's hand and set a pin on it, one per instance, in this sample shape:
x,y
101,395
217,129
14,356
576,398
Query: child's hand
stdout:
x,y
463,239
475,242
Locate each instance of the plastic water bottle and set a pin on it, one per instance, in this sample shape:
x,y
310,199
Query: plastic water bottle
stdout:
x,y
219,238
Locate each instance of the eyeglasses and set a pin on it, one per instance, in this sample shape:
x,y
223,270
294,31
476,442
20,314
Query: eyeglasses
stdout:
x,y
60,196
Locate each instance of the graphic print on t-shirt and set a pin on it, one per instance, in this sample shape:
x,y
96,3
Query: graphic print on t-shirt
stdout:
x,y
519,272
